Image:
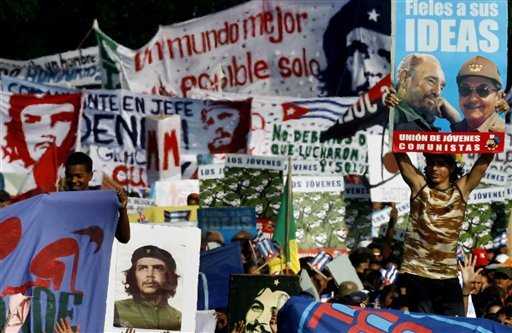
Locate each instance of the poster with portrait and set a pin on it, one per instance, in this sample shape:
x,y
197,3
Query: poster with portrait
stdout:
x,y
450,67
153,280
38,134
253,299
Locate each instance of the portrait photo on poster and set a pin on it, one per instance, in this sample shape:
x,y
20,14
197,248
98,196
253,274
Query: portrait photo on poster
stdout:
x,y
450,71
153,282
255,300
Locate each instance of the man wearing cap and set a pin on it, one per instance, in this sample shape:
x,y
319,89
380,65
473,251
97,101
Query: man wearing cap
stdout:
x,y
480,96
151,281
438,203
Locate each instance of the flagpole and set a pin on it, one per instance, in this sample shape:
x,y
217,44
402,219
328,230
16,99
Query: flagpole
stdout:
x,y
288,214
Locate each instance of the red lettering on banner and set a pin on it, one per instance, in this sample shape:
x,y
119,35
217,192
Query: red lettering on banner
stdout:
x,y
126,176
148,55
171,145
239,73
326,309
234,74
274,25
298,67
362,323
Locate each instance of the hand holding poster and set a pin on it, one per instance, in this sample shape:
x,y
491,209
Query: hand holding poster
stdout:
x,y
468,37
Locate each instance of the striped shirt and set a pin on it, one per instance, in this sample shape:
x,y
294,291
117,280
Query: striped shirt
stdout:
x,y
430,248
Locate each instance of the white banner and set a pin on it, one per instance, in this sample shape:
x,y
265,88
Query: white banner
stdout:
x,y
286,126
211,171
330,47
317,184
70,69
115,118
255,162
126,171
490,194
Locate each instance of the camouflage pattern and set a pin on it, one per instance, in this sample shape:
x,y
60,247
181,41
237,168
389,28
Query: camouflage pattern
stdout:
x,y
436,220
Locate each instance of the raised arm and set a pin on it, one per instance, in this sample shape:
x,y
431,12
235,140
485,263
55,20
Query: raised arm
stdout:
x,y
123,225
412,176
471,180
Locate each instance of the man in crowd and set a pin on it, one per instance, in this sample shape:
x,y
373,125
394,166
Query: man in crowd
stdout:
x,y
78,174
438,203
151,281
480,95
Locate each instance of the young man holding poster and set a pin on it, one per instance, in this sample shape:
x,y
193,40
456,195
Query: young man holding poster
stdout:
x,y
78,174
438,203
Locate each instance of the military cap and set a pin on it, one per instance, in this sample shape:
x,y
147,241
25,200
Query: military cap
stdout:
x,y
482,67
150,251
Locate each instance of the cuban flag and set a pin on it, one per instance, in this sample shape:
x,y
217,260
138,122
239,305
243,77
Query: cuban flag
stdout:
x,y
265,247
176,216
321,259
329,109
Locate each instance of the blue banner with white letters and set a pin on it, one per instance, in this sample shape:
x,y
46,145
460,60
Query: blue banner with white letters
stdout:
x,y
302,314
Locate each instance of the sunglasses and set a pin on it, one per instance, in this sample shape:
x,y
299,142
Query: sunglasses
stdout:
x,y
482,90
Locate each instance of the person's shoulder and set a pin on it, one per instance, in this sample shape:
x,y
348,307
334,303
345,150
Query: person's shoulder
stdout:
x,y
173,311
125,303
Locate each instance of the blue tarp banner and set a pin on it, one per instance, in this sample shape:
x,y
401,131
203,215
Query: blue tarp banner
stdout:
x,y
303,315
228,221
56,249
215,268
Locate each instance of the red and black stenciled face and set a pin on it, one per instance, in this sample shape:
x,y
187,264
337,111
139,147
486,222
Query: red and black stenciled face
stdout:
x,y
37,124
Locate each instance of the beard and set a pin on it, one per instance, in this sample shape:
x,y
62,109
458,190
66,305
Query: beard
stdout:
x,y
256,327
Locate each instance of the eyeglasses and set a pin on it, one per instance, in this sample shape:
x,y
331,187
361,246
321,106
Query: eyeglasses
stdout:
x,y
482,90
